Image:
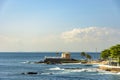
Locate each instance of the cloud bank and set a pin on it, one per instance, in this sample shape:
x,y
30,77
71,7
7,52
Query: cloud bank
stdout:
x,y
78,39
90,38
91,34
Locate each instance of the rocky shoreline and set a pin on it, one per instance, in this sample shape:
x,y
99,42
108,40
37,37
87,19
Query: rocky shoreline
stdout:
x,y
110,68
103,65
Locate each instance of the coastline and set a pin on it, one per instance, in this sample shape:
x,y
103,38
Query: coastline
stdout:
x,y
114,69
103,65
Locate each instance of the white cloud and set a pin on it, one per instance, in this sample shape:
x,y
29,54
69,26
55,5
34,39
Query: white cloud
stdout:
x,y
90,38
82,39
91,34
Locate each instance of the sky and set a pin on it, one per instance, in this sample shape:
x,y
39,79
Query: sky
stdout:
x,y
59,25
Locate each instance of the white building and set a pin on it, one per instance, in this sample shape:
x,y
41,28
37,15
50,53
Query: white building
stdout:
x,y
65,55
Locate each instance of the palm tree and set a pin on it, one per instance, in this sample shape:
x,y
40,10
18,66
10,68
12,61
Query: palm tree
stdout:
x,y
88,57
83,54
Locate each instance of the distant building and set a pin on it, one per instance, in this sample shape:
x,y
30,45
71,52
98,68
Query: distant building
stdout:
x,y
65,58
66,55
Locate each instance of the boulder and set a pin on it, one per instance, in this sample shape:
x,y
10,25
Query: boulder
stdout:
x,y
30,73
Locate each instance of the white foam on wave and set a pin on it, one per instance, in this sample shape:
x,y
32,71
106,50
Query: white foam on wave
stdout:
x,y
82,70
118,73
107,72
70,63
28,62
76,70
69,71
25,62
47,73
87,70
56,68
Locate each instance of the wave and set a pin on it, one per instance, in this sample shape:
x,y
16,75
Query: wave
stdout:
x,y
69,63
56,68
47,73
108,72
75,69
82,70
28,62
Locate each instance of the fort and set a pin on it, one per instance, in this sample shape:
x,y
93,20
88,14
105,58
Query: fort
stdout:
x,y
64,58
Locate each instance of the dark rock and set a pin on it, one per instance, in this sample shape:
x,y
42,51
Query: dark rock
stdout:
x,y
88,65
107,70
51,73
59,60
23,73
39,62
29,73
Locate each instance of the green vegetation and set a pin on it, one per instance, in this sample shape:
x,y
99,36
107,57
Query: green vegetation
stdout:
x,y
105,54
86,56
112,52
83,54
115,52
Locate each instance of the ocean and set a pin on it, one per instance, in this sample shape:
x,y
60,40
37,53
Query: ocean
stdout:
x,y
14,64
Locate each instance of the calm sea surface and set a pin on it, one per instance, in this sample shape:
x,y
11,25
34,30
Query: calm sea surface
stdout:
x,y
12,65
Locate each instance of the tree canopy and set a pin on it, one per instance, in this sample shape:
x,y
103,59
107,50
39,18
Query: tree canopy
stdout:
x,y
85,55
105,54
112,52
115,51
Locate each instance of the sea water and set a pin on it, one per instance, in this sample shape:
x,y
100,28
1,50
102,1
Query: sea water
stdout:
x,y
13,64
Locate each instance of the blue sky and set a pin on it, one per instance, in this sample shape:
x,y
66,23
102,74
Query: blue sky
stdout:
x,y
42,25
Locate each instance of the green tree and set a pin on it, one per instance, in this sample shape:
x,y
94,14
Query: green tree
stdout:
x,y
82,54
85,55
115,52
105,54
88,56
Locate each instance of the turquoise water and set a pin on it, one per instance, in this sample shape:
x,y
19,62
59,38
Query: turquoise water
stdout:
x,y
12,65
